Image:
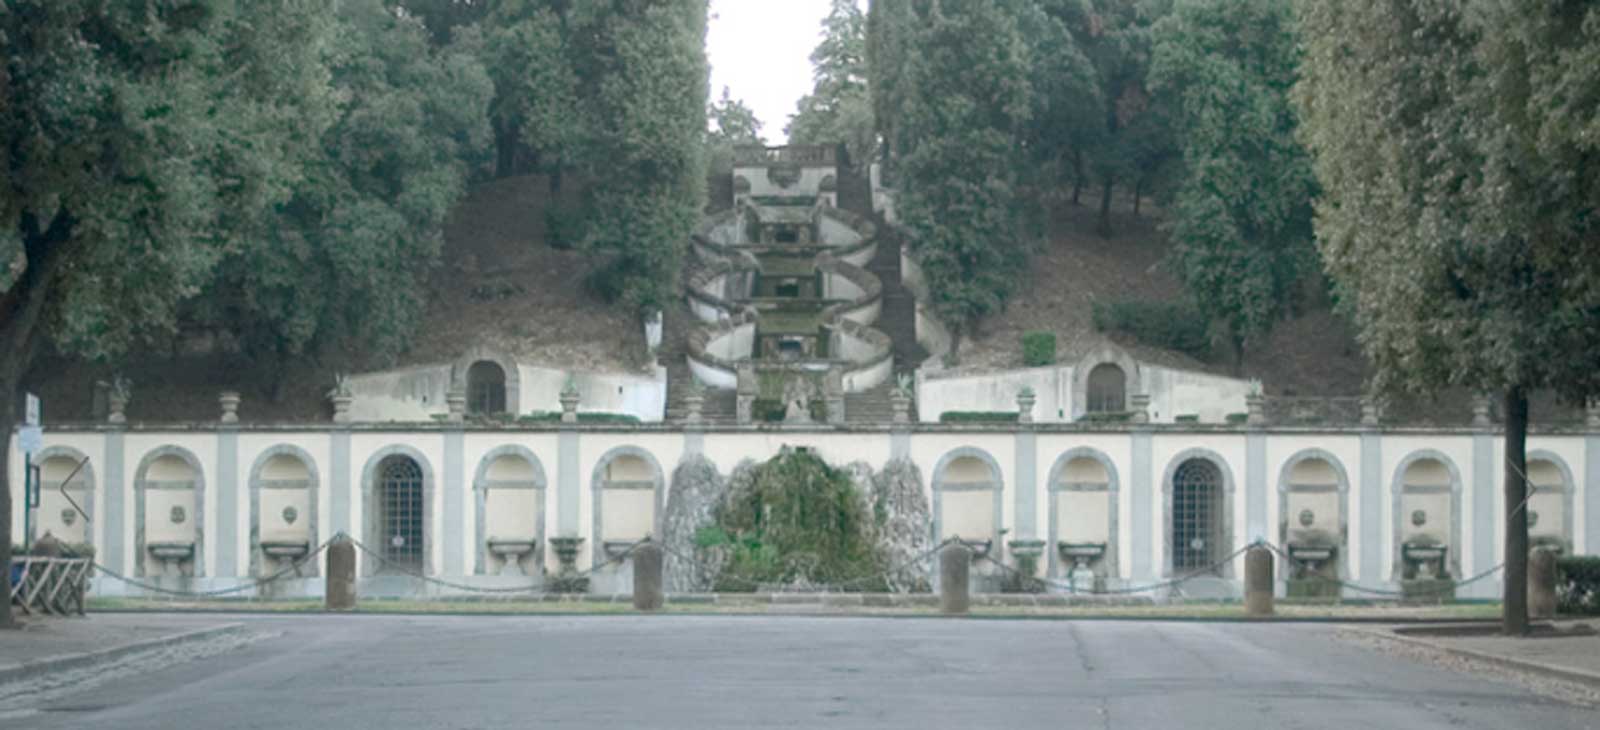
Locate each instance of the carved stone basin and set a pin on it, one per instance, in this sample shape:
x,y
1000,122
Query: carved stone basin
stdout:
x,y
512,550
1312,553
171,551
285,549
1426,558
615,548
979,548
1081,553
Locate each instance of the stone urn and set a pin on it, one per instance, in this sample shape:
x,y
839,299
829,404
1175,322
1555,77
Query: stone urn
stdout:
x,y
1256,407
117,399
695,402
1141,407
341,407
229,400
1025,401
456,402
569,406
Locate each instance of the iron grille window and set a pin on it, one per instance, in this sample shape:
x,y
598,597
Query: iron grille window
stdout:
x,y
1196,509
1107,389
402,512
486,388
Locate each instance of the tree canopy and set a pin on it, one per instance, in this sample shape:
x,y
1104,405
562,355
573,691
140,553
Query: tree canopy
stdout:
x,y
839,109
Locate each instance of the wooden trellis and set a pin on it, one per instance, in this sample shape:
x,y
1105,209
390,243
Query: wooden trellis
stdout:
x,y
49,585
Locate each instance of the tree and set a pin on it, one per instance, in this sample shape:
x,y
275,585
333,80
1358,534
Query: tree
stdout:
x,y
1240,220
1460,182
731,124
838,109
138,144
345,258
1068,111
537,120
645,66
965,106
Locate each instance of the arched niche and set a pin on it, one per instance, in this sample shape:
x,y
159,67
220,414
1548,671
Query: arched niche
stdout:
x,y
1426,507
1197,502
1314,507
1094,361
626,490
169,512
480,357
486,388
1550,501
967,490
1084,495
509,491
397,501
57,515
283,509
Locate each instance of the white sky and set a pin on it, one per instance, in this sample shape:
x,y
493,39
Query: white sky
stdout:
x,y
761,51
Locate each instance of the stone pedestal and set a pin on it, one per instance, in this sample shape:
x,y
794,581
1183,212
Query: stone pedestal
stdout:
x,y
1542,584
1480,411
456,401
1371,411
694,404
1025,401
339,592
1140,404
1258,581
901,403
229,400
569,406
341,408
1256,406
647,579
955,565
1594,413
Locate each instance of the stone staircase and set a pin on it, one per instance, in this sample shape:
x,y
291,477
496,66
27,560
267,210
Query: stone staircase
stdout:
x,y
872,406
899,317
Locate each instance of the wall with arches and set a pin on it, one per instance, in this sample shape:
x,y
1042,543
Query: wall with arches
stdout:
x,y
1047,483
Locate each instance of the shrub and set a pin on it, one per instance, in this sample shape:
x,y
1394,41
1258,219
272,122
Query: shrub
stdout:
x,y
978,417
1038,348
1171,326
1238,418
564,226
1578,584
1107,417
1187,418
555,417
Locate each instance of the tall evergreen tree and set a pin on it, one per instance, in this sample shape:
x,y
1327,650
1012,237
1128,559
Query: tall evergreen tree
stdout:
x,y
838,109
1457,146
1240,220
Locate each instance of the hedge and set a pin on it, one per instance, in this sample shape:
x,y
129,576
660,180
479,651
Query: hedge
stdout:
x,y
1167,325
1187,418
1578,585
1238,418
1038,348
1107,417
978,417
554,417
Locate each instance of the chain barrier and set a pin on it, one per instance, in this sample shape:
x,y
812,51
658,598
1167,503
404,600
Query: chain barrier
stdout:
x,y
1207,571
529,589
254,584
1416,593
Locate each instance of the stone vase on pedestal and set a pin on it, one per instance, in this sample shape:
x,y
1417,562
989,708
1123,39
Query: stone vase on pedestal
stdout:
x,y
229,400
1025,401
119,406
456,401
1141,407
901,403
569,406
341,408
1256,406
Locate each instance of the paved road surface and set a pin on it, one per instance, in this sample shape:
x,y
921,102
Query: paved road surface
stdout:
x,y
371,672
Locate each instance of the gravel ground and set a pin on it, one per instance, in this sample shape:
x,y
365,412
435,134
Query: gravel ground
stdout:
x,y
1551,687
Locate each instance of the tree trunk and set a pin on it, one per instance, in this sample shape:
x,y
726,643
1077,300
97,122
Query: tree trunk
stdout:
x,y
1105,210
1515,616
7,401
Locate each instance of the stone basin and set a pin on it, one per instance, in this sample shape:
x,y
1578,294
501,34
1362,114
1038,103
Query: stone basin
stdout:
x,y
1081,551
285,549
512,550
1312,553
979,548
171,550
615,548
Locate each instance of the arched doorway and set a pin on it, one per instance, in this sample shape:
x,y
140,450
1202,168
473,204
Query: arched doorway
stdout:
x,y
486,388
1107,389
400,512
1198,538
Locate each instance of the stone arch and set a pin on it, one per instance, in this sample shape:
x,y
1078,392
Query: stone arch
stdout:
x,y
481,484
141,487
508,366
372,507
1397,492
1224,525
1107,389
656,483
258,483
1341,486
1568,492
942,484
85,476
1113,489
486,388
1104,355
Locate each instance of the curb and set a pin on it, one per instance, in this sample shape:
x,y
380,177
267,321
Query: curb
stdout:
x,y
14,672
1579,676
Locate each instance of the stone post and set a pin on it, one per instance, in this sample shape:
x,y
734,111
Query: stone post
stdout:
x,y
747,388
229,400
569,406
647,583
833,385
1480,411
121,393
1256,405
456,401
339,591
955,561
1594,413
695,401
901,403
1258,581
1371,410
341,408
1141,407
1542,584
1025,401
1026,553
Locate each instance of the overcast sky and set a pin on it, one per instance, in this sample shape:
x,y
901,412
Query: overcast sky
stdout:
x,y
761,49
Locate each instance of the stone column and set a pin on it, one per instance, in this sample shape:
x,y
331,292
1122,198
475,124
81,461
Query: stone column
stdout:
x,y
955,562
1258,581
1542,584
339,592
647,579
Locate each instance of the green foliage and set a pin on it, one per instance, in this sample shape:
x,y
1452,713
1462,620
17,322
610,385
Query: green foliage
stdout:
x,y
564,226
1186,418
1240,220
978,417
1107,417
799,520
1578,584
537,117
1038,348
1168,325
838,109
732,124
1237,418
583,417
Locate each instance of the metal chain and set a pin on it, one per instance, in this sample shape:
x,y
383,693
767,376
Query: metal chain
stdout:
x,y
1388,591
257,583
530,589
1208,570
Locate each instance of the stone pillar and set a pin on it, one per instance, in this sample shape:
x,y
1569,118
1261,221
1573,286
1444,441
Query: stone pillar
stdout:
x,y
339,592
647,580
746,390
456,401
1371,411
1542,584
341,408
229,400
955,562
1025,401
1141,407
1480,411
569,405
1256,405
833,384
1258,581
900,401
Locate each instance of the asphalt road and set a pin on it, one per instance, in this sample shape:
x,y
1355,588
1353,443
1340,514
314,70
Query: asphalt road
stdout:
x,y
391,672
